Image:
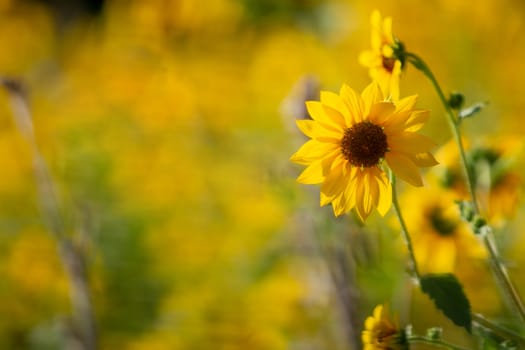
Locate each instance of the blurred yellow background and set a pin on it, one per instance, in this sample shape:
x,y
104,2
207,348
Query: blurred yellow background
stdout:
x,y
167,126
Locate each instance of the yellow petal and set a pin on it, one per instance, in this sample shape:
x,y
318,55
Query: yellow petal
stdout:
x,y
378,311
404,168
417,119
334,183
394,125
380,112
370,322
406,104
306,126
425,159
313,150
319,131
335,115
387,51
371,94
363,200
376,39
393,87
385,194
410,142
370,59
354,103
316,111
338,205
366,337
387,30
312,175
335,102
349,193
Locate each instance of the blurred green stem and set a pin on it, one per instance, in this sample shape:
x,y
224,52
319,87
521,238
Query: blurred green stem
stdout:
x,y
500,331
406,236
413,339
502,276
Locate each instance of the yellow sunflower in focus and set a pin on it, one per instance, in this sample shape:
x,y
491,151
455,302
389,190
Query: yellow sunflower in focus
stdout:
x,y
382,333
351,135
440,237
385,59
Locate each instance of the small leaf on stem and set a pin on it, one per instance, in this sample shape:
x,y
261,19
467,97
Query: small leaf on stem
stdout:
x,y
472,110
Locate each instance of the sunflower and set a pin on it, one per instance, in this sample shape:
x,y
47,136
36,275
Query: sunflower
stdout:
x,y
382,333
386,58
351,135
440,237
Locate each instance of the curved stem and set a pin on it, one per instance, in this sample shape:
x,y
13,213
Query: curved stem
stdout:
x,y
406,236
502,276
434,342
452,121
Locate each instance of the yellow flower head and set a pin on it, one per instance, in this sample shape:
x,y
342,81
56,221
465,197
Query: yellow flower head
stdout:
x,y
351,135
382,333
383,60
440,237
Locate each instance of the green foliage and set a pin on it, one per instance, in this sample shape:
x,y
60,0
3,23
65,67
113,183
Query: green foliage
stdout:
x,y
448,296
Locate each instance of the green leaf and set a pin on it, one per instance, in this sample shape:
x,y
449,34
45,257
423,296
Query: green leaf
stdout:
x,y
448,296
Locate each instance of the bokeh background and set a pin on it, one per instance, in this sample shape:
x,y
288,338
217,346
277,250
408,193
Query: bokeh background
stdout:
x,y
167,126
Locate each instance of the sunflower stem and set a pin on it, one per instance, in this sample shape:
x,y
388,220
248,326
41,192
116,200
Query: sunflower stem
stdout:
x,y
502,276
434,342
500,331
452,121
406,236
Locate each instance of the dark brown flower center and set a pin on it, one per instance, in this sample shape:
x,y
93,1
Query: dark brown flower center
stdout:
x,y
364,144
388,63
442,225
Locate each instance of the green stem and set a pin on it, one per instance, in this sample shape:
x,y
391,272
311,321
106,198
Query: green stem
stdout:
x,y
502,276
497,329
501,273
406,236
452,121
434,342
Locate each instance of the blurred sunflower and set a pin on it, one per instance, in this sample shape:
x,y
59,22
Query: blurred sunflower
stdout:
x,y
382,333
440,238
498,183
385,59
351,135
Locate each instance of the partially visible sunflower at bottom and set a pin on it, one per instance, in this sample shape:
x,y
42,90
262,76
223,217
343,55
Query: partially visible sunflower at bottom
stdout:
x,y
352,137
440,237
382,332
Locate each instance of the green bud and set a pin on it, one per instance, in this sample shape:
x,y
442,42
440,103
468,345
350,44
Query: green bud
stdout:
x,y
477,223
466,210
508,344
434,333
456,100
399,51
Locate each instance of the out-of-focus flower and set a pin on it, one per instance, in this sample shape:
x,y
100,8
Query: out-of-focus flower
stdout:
x,y
496,179
351,135
382,332
439,235
385,59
